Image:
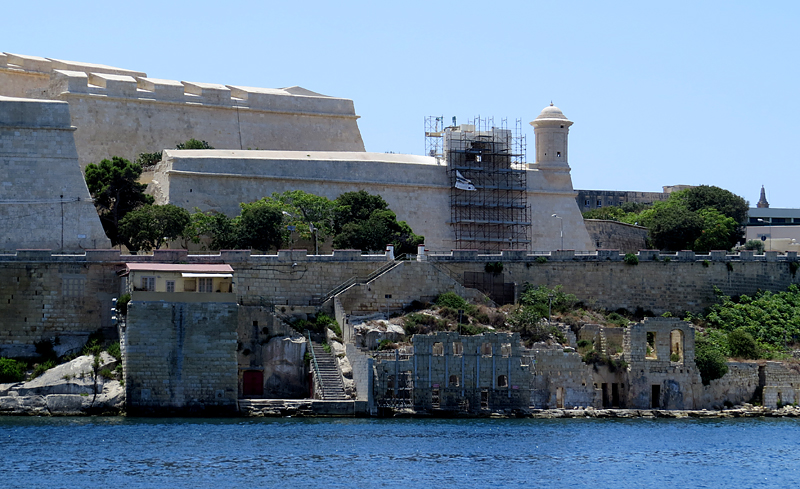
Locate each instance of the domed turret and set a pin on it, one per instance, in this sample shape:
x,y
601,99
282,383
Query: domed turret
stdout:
x,y
551,128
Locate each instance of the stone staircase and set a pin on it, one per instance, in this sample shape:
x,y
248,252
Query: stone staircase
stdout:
x,y
330,386
359,281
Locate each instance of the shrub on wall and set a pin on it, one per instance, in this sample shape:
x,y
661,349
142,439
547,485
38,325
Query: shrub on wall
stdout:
x,y
710,361
631,259
742,344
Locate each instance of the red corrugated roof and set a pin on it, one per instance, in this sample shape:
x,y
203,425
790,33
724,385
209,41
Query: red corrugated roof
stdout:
x,y
172,267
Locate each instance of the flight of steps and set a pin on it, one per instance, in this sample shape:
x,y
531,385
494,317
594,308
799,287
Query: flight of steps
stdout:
x,y
329,377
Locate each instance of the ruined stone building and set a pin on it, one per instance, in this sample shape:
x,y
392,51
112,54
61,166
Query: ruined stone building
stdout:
x,y
647,365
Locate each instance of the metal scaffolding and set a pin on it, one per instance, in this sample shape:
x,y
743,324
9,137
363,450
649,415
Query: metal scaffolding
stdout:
x,y
488,184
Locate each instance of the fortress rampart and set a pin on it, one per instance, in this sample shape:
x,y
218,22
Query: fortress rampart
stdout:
x,y
122,112
44,201
44,295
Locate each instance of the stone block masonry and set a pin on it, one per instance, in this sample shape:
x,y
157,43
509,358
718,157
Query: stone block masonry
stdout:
x,y
45,295
181,357
44,202
140,114
659,283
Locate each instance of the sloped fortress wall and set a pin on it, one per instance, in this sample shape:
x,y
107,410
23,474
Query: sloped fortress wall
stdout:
x,y
122,112
44,201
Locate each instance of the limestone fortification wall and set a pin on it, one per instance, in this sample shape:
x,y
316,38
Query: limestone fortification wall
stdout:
x,y
612,235
180,356
44,295
659,283
121,112
417,188
44,201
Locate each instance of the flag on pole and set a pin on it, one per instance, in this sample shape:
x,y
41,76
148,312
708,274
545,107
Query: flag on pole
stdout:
x,y
463,183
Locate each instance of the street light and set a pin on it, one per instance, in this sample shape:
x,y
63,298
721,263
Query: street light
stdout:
x,y
770,232
562,228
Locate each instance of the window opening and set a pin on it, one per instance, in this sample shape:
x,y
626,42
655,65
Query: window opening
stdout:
x,y
676,346
486,349
651,346
458,348
206,285
170,286
502,381
149,283
454,381
438,349
505,350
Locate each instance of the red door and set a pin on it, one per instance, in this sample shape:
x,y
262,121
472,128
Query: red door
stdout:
x,y
253,381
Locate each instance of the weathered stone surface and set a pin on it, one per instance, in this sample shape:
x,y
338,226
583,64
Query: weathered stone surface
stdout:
x,y
46,203
284,367
180,356
74,377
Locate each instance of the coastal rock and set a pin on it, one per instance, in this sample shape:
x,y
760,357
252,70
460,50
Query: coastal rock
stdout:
x,y
74,377
33,405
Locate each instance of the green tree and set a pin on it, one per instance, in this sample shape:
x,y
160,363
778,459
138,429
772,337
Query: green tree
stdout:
x,y
260,226
742,344
719,232
672,226
705,196
773,319
304,210
374,233
352,207
149,226
365,222
710,361
214,228
115,191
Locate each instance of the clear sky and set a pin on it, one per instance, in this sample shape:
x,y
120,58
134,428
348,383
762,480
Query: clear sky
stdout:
x,y
661,93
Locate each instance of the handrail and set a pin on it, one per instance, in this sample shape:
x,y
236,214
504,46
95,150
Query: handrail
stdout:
x,y
355,280
318,387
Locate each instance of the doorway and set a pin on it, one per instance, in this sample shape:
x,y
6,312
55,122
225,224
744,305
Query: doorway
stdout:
x,y
252,383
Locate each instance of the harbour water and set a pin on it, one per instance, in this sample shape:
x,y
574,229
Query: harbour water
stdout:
x,y
364,453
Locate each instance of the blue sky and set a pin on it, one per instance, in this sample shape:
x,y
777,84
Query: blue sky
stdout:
x,y
661,93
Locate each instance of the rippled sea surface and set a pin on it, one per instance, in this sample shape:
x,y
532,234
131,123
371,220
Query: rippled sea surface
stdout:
x,y
181,453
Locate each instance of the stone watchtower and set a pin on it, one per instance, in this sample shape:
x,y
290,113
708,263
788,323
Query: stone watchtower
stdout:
x,y
551,129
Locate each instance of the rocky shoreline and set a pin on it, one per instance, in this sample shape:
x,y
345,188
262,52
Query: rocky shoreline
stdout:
x,y
70,389
744,411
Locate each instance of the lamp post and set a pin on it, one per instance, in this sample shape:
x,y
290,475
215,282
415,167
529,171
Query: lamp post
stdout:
x,y
562,228
769,228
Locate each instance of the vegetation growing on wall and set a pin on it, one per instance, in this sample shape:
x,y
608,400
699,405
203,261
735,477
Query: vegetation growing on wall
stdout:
x,y
772,319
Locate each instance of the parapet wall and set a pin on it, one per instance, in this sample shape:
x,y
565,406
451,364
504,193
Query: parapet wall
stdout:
x,y
44,295
659,283
124,112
